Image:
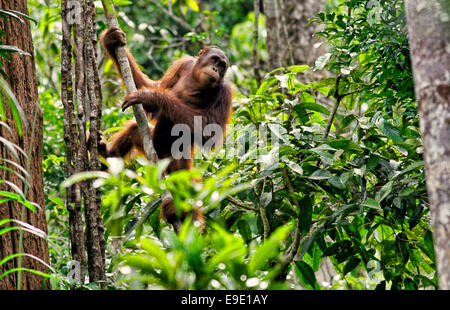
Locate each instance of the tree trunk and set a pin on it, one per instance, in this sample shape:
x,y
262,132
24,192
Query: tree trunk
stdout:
x,y
300,35
82,156
429,34
273,33
22,80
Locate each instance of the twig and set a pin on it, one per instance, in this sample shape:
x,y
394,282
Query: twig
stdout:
x,y
175,18
338,98
244,205
335,107
262,213
291,191
296,238
256,71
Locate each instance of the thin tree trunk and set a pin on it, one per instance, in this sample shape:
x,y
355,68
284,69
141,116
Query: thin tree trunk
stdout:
x,y
73,198
80,156
256,69
22,79
94,226
429,35
273,33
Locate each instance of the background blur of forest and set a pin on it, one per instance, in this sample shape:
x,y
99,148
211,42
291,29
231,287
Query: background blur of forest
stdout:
x,y
345,198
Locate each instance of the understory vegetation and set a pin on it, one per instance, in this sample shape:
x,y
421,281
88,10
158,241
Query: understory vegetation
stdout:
x,y
318,171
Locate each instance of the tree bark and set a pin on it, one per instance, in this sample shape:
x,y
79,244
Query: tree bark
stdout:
x,y
256,71
429,34
300,35
73,194
273,33
22,79
81,156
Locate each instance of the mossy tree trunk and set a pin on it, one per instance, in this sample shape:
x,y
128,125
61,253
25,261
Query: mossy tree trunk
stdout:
x,y
22,81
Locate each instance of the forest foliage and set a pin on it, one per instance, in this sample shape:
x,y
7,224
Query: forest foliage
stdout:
x,y
345,186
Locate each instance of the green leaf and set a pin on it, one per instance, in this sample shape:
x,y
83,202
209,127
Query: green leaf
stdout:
x,y
411,167
21,14
42,274
17,197
344,144
16,109
414,220
244,230
373,204
409,284
298,69
305,215
320,175
140,262
322,61
391,132
294,166
155,250
83,176
428,240
372,162
268,249
306,275
350,265
10,13
384,191
265,199
346,121
315,107
335,181
265,85
13,49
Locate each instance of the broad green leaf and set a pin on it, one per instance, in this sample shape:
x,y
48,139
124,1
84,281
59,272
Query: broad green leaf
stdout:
x,y
336,182
372,162
346,121
158,253
384,191
322,61
268,249
141,262
305,214
298,69
265,199
294,166
391,132
306,275
244,230
265,85
312,106
371,203
320,175
350,265
306,98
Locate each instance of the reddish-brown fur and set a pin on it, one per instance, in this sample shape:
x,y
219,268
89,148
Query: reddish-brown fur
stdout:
x,y
192,86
